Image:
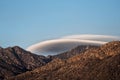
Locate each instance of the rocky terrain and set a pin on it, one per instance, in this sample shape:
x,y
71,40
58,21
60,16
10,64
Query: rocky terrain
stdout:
x,y
98,63
15,60
74,51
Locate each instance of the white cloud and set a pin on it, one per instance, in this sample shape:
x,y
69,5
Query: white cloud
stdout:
x,y
51,47
93,37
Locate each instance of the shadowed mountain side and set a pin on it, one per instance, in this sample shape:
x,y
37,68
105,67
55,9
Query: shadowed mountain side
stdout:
x,y
15,60
101,63
75,51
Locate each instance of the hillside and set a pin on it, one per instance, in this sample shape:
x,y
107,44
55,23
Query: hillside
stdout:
x,y
74,51
15,60
101,63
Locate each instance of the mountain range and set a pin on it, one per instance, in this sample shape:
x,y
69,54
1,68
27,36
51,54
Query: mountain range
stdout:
x,y
15,60
86,62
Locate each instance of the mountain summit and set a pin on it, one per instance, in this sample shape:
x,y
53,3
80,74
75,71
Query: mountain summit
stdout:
x,y
15,60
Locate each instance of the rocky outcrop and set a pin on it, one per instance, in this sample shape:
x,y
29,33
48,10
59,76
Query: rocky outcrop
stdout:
x,y
15,60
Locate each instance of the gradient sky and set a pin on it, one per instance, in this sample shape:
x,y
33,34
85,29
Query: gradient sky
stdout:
x,y
25,22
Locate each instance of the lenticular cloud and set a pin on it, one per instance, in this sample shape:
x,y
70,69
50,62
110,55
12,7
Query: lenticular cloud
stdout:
x,y
56,46
106,38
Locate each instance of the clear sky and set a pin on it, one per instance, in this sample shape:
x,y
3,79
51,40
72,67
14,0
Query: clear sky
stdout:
x,y
25,22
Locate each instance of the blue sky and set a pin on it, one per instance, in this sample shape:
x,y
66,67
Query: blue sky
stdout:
x,y
25,22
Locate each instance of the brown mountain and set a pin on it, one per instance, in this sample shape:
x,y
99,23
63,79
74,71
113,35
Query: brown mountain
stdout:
x,y
74,51
15,60
100,63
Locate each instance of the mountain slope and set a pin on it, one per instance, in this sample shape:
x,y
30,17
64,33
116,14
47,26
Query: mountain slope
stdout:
x,y
102,63
74,51
15,60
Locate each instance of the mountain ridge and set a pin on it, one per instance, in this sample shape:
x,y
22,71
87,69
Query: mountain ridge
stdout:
x,y
15,60
102,63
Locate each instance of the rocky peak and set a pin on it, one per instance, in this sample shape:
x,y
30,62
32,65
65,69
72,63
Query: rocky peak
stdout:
x,y
15,60
111,48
